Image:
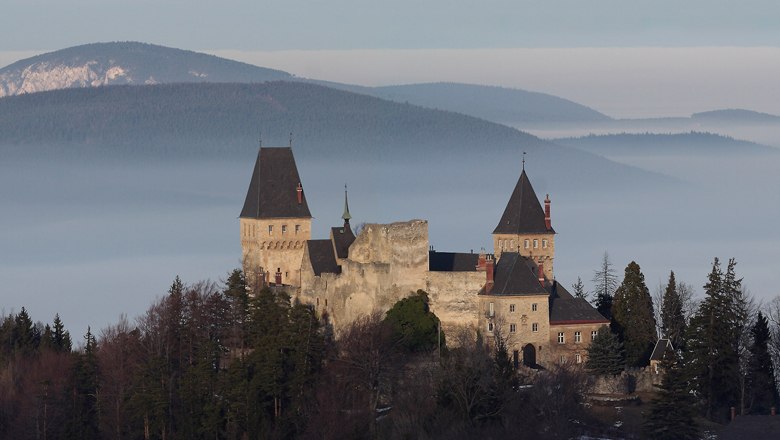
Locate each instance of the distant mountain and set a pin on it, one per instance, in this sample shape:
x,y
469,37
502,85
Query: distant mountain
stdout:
x,y
101,64
736,115
648,144
190,121
497,104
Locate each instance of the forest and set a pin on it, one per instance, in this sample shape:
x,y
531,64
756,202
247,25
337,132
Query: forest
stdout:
x,y
233,361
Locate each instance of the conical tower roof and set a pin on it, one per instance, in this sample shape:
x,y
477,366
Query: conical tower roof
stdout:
x,y
273,190
523,213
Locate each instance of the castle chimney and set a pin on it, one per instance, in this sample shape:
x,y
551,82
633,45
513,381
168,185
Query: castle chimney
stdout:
x,y
541,274
299,190
490,267
547,219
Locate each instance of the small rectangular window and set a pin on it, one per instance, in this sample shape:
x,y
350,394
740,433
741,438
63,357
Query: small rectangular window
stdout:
x,y
563,360
270,229
526,243
535,327
578,358
536,244
284,229
512,328
511,307
593,334
544,243
533,307
561,338
297,229
577,337
490,309
490,327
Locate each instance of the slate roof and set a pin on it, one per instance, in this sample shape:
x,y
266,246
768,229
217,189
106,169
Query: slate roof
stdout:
x,y
272,190
514,275
452,261
523,212
322,257
342,239
566,308
660,349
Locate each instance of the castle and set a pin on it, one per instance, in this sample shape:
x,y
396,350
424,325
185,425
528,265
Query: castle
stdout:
x,y
512,291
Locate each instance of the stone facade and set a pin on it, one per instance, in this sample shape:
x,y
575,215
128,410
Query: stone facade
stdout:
x,y
274,246
512,293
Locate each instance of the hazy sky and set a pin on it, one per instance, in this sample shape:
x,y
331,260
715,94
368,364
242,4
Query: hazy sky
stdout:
x,y
397,24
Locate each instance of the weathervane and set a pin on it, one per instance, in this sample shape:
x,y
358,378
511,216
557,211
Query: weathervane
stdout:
x,y
290,139
260,139
523,160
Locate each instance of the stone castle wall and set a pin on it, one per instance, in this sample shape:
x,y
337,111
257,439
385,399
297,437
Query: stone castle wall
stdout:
x,y
278,248
539,253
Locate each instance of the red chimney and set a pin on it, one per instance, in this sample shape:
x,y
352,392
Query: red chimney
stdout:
x,y
299,190
547,219
541,274
489,269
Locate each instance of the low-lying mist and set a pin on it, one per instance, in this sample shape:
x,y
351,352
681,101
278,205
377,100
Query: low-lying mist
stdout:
x,y
92,241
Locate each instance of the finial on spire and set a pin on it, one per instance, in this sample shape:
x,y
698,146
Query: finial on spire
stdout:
x,y
290,139
260,139
346,215
523,160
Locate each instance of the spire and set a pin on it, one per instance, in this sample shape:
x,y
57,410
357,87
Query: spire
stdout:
x,y
275,190
523,212
346,216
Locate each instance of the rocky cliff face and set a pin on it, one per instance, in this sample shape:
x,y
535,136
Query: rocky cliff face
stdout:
x,y
43,76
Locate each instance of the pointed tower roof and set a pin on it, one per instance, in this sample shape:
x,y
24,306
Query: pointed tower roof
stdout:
x,y
273,190
523,213
346,216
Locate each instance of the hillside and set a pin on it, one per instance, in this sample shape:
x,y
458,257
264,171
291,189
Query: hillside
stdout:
x,y
223,121
101,64
736,115
649,144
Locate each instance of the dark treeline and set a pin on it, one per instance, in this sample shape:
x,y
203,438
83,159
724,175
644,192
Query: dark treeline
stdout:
x,y
208,361
723,353
216,362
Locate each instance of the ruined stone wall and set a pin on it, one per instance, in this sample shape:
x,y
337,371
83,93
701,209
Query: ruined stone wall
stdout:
x,y
387,262
454,298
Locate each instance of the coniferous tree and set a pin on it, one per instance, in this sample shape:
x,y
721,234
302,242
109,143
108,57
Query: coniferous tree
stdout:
x,y
25,338
763,388
605,353
633,317
83,393
672,413
579,289
711,359
605,282
672,318
60,336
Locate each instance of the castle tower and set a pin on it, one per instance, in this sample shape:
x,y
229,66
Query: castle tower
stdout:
x,y
275,221
526,228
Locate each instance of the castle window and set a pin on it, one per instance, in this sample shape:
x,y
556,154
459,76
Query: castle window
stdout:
x,y
561,338
512,328
297,229
490,327
578,358
284,229
490,310
501,244
577,337
544,243
533,307
535,327
526,243
512,246
511,307
563,360
536,244
593,334
326,302
318,301
270,229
